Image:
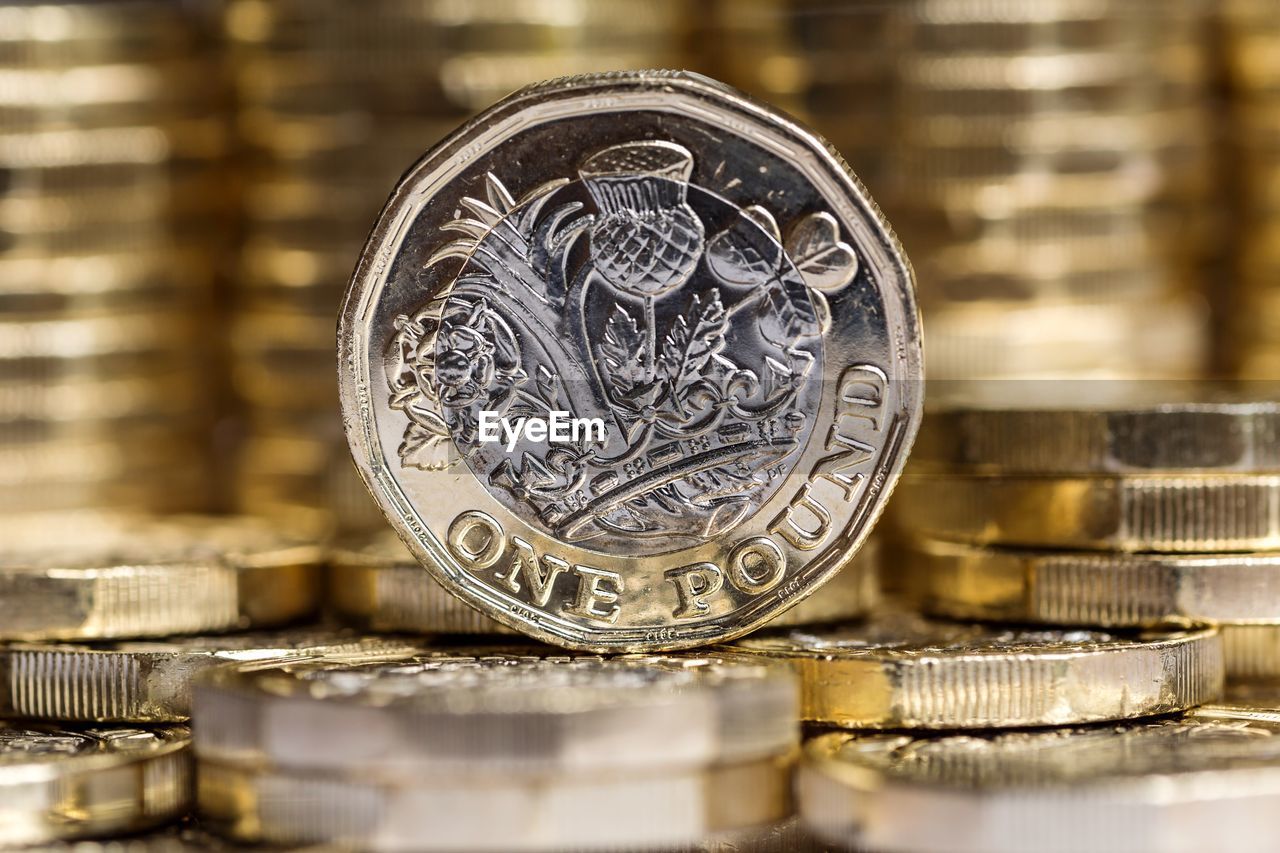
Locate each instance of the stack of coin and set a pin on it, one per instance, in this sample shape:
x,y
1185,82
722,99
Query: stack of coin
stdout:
x,y
1041,162
335,100
1153,509
494,750
91,734
1207,780
1253,39
830,64
112,131
1049,162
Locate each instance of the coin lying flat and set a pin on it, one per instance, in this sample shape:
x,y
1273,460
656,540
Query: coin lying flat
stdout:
x,y
1239,512
58,783
1209,780
637,284
902,671
1098,589
1081,428
136,576
497,714
148,682
650,810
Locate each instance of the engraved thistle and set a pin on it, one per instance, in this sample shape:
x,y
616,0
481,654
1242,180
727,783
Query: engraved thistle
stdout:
x,y
631,295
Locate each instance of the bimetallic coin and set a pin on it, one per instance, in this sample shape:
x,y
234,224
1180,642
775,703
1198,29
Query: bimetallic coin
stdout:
x,y
129,576
1138,512
633,811
148,682
1085,428
902,671
751,397
378,585
60,783
1093,589
1206,781
493,713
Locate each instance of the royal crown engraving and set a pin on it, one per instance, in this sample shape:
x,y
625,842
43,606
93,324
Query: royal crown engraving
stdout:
x,y
629,294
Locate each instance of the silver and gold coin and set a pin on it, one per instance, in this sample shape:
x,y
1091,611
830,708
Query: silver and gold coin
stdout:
x,y
149,681
1210,779
1129,512
60,783
671,809
1086,428
900,671
1107,590
377,584
641,287
493,713
136,576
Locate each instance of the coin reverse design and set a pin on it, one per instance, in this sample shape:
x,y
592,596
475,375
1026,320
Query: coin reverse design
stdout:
x,y
631,362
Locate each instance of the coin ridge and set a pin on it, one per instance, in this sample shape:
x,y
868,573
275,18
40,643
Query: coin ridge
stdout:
x,y
1131,513
874,688
362,810
1096,589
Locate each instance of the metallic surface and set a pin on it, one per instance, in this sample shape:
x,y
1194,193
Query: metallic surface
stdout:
x,y
133,576
715,549
497,712
148,681
1183,514
652,810
1021,428
903,671
1108,590
377,584
1209,780
59,783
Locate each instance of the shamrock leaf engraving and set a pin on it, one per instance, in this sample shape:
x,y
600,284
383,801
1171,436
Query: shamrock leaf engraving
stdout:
x,y
826,262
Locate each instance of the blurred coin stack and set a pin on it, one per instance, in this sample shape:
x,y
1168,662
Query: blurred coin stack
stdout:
x,y
1045,164
335,101
112,132
1049,177
1154,507
1252,52
832,65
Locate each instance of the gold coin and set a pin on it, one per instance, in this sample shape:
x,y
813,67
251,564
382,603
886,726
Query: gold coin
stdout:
x,y
900,671
376,583
140,577
58,783
59,337
1089,589
148,681
166,391
649,810
1177,514
203,138
1164,339
1086,428
1205,781
379,585
1252,652
456,707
